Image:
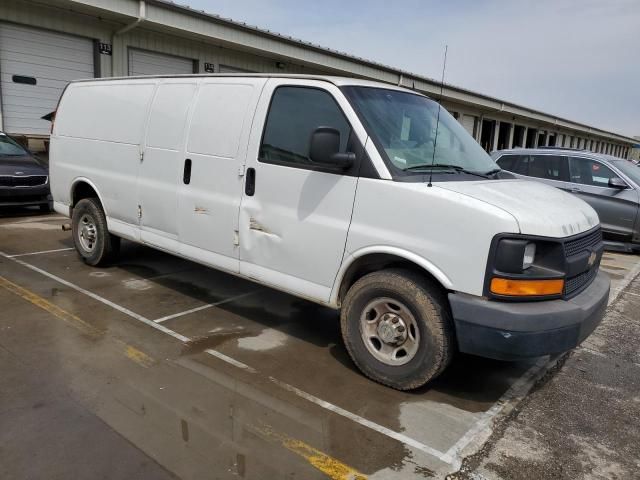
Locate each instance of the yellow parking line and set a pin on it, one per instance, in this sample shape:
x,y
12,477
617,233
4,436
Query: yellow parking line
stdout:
x,y
138,356
331,467
54,310
130,352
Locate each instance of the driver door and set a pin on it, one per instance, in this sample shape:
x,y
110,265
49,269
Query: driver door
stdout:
x,y
295,215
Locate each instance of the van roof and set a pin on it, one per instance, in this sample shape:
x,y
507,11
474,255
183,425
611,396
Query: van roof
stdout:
x,y
336,80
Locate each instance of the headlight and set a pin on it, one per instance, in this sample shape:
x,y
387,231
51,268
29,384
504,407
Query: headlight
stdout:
x,y
526,267
529,255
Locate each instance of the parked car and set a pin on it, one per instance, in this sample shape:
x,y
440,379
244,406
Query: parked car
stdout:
x,y
339,191
610,185
23,180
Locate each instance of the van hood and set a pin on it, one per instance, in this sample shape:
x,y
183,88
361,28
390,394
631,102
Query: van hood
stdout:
x,y
539,209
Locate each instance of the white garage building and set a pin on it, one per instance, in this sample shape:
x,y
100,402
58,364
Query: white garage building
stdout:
x,y
44,46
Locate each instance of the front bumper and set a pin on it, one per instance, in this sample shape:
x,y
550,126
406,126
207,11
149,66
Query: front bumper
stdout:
x,y
23,196
515,330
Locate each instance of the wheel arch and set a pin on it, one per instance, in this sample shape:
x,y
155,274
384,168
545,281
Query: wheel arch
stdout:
x,y
81,188
371,259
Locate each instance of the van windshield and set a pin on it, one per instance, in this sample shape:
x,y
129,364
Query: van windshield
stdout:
x,y
404,126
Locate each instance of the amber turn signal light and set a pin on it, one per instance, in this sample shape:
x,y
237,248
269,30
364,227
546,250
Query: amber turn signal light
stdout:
x,y
526,288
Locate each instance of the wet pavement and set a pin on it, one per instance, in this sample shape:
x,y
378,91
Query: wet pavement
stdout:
x,y
158,367
583,422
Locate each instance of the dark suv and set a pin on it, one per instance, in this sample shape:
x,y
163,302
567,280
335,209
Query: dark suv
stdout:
x,y
610,185
23,180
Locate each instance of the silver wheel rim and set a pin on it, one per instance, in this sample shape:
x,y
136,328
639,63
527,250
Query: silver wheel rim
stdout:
x,y
389,331
87,233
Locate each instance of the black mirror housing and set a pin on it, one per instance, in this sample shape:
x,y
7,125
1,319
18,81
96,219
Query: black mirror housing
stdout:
x,y
617,182
324,149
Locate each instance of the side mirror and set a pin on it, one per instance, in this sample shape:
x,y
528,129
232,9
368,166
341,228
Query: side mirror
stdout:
x,y
325,149
617,182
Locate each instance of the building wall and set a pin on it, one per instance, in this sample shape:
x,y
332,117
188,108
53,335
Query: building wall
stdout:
x,y
217,53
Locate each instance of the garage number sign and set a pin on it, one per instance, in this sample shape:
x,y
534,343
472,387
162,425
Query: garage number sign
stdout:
x,y
209,68
105,48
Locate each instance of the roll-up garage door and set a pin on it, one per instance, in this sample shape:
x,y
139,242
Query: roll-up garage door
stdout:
x,y
142,62
468,122
35,66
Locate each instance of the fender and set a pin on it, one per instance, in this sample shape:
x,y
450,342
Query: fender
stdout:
x,y
438,274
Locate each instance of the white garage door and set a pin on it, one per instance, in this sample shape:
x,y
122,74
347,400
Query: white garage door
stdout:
x,y
468,122
142,62
35,66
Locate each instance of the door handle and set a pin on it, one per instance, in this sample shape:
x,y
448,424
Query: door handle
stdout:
x,y
186,175
575,190
250,182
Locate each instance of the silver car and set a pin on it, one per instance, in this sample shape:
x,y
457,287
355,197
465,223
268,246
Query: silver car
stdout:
x,y
610,185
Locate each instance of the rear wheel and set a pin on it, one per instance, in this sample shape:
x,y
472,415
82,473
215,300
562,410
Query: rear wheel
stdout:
x,y
397,328
91,238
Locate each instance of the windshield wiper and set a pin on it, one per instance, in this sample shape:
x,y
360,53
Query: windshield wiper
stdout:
x,y
492,172
456,168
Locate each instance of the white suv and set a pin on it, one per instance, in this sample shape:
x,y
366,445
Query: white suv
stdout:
x,y
353,194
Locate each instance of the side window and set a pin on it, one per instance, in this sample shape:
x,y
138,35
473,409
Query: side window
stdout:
x,y
551,167
521,164
507,162
590,172
294,114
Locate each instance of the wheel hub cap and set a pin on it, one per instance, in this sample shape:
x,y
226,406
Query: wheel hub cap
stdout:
x,y
392,329
87,233
389,331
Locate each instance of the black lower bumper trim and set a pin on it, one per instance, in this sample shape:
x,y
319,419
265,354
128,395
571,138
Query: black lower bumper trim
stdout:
x,y
512,331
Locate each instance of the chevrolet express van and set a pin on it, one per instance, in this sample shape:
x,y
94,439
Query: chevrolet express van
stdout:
x,y
357,195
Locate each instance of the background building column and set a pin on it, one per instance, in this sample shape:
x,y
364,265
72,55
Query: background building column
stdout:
x,y
511,131
496,134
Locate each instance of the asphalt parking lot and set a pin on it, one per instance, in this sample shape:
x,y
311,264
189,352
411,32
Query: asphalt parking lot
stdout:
x,y
157,367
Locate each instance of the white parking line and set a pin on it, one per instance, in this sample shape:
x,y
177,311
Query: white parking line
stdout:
x,y
516,392
481,429
38,219
400,437
41,252
444,457
120,308
203,307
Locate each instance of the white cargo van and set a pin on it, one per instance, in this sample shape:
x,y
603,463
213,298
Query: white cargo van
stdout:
x,y
357,195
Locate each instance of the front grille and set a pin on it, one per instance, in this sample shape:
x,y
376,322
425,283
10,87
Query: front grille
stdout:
x,y
583,244
591,242
22,181
575,284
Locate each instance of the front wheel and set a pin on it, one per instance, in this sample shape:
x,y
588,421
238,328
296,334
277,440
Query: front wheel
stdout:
x,y
91,237
397,329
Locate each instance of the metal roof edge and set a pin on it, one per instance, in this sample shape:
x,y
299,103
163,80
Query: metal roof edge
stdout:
x,y
401,73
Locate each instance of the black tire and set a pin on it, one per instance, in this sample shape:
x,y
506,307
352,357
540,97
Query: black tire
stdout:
x,y
105,247
428,306
45,207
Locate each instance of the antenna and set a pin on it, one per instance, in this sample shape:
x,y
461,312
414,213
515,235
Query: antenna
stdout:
x,y
435,140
